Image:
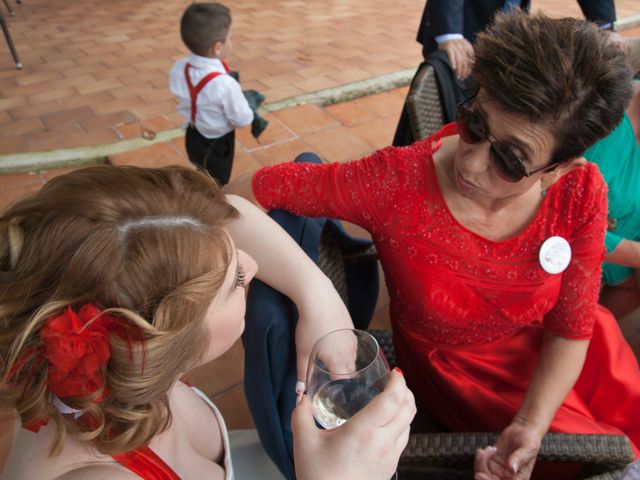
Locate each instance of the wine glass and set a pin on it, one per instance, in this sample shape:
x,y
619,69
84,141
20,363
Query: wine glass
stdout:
x,y
347,369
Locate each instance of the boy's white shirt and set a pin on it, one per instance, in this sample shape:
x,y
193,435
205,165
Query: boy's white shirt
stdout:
x,y
221,105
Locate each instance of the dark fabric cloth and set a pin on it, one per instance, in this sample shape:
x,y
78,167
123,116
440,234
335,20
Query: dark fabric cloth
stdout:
x,y
269,336
450,89
255,99
602,12
215,155
403,135
258,125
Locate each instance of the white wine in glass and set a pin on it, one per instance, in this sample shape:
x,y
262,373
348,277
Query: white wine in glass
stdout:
x,y
347,369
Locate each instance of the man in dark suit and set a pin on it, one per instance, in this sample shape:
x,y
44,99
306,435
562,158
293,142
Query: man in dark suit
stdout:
x,y
452,25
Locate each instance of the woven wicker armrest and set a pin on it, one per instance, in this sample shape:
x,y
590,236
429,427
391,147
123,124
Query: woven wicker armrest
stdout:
x,y
598,449
385,340
458,449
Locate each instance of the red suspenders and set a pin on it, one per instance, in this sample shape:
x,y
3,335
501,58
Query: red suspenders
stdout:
x,y
194,91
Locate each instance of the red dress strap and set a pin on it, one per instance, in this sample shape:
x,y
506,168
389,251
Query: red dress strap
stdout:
x,y
194,91
145,463
446,131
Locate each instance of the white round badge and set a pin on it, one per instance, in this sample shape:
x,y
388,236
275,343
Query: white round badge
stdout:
x,y
555,255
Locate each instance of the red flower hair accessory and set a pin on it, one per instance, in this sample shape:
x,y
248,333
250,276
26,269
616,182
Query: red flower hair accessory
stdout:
x,y
77,349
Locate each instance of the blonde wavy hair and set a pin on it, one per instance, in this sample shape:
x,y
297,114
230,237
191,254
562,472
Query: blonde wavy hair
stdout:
x,y
149,246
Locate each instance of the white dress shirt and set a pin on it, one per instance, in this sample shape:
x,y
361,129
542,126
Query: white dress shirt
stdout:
x,y
448,36
220,105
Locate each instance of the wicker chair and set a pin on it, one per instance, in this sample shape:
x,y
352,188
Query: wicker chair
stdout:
x,y
436,455
423,104
433,96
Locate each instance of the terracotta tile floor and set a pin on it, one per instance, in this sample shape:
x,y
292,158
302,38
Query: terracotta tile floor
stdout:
x,y
93,69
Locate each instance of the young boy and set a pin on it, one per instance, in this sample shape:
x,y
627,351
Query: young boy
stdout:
x,y
211,100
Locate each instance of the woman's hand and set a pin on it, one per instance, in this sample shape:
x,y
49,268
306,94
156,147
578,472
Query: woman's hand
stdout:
x,y
513,456
367,447
557,368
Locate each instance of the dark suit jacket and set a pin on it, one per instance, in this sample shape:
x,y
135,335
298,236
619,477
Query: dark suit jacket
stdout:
x,y
599,11
469,17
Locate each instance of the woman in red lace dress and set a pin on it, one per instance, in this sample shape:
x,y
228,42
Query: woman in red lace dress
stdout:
x,y
490,235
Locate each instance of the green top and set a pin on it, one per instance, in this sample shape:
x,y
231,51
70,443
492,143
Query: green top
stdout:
x,y
618,157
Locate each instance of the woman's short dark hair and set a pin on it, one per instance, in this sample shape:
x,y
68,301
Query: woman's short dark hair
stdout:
x,y
562,73
204,24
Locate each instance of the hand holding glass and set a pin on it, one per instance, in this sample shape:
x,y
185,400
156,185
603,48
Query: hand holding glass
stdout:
x,y
347,369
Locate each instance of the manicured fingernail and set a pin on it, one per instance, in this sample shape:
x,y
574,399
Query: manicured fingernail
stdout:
x,y
397,369
514,466
300,387
492,448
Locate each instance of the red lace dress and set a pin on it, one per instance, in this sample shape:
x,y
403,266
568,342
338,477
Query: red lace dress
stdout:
x,y
468,313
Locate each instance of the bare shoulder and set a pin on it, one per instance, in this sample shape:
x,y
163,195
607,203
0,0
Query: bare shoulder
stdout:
x,y
189,407
195,423
183,393
29,457
99,472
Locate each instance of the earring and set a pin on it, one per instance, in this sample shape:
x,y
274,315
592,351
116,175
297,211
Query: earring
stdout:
x,y
546,180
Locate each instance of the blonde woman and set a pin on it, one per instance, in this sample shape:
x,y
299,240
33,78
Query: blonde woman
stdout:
x,y
115,282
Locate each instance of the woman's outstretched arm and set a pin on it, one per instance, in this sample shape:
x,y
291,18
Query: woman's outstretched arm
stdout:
x,y
283,265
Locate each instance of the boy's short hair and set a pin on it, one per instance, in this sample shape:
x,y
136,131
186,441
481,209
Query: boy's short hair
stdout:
x,y
204,24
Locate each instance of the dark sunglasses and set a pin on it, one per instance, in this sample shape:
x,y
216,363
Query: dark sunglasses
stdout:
x,y
473,129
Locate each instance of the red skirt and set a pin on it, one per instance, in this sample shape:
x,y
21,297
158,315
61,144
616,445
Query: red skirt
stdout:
x,y
481,388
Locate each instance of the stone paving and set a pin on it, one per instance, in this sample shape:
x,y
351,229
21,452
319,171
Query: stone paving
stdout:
x,y
95,71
